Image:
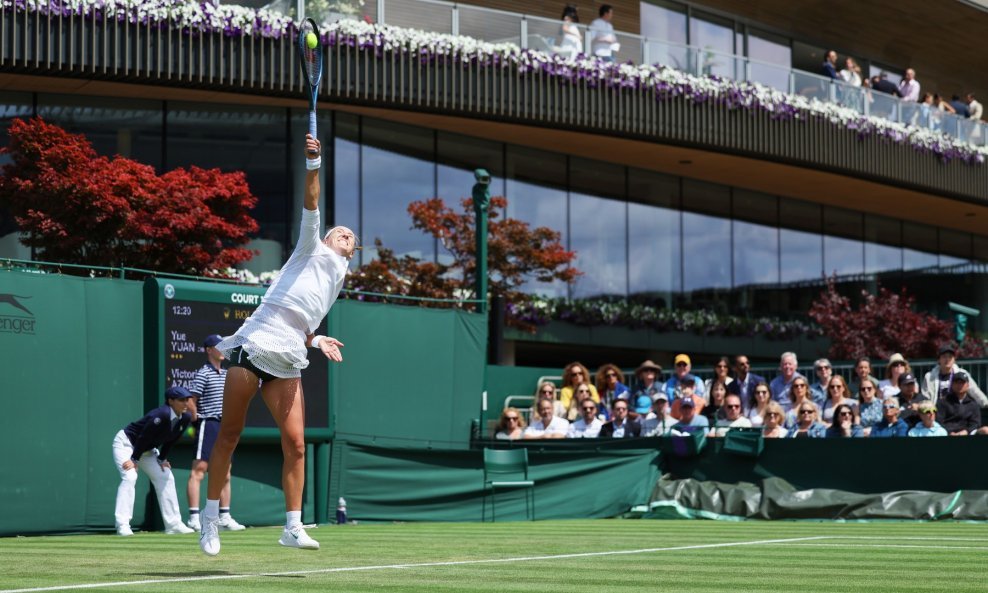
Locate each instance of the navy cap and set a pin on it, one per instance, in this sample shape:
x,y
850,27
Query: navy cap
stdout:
x,y
177,392
947,348
686,402
212,340
907,378
688,379
961,377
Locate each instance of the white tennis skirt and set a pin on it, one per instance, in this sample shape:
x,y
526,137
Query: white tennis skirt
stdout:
x,y
274,340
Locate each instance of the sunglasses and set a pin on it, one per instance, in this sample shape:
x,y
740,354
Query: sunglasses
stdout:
x,y
773,414
761,392
732,406
867,389
584,391
891,407
898,364
681,364
799,384
927,411
548,391
823,368
845,414
611,374
589,408
514,418
807,411
620,409
837,386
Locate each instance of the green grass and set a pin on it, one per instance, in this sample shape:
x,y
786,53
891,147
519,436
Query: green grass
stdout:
x,y
845,558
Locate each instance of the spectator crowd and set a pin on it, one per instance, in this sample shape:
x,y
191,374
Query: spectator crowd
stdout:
x,y
945,400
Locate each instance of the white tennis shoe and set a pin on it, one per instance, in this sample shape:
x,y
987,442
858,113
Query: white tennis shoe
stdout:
x,y
296,537
124,530
228,523
209,539
194,523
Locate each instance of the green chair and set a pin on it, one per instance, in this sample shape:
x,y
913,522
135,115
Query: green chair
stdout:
x,y
505,463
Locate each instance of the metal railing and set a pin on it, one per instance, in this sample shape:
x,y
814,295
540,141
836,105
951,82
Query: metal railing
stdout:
x,y
548,35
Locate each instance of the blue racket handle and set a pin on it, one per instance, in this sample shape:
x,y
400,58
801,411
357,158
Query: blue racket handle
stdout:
x,y
312,124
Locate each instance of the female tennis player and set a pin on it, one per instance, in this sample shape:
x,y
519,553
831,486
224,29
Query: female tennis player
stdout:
x,y
269,349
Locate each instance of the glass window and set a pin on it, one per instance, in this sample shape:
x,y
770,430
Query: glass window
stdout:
x,y
800,241
535,188
771,59
714,39
597,178
709,198
654,246
346,176
597,235
756,254
981,248
843,249
238,138
458,157
882,247
397,168
706,252
755,206
919,246
665,27
130,128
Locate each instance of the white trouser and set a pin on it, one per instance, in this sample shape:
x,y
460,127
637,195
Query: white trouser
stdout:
x,y
161,478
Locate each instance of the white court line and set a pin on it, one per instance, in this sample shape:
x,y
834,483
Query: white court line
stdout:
x,y
917,538
415,565
880,546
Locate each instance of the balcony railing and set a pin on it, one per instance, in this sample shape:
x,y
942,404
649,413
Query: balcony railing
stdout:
x,y
529,32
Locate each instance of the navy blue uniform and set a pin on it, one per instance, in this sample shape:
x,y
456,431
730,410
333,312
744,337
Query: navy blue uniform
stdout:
x,y
156,429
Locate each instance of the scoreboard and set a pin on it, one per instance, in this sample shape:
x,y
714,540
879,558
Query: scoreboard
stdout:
x,y
179,314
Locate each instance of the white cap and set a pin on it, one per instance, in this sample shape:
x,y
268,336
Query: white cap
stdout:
x,y
341,502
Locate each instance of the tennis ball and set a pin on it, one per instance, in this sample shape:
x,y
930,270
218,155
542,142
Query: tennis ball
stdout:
x,y
311,40
191,432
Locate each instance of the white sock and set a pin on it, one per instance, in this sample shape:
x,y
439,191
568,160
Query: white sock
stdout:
x,y
293,518
212,508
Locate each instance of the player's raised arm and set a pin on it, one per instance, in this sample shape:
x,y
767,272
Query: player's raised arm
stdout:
x,y
312,147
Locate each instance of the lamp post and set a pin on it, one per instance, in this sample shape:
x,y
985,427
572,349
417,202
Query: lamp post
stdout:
x,y
481,201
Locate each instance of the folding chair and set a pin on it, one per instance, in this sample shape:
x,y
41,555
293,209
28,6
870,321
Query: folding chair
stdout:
x,y
499,462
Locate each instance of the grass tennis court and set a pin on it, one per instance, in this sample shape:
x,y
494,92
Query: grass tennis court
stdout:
x,y
575,556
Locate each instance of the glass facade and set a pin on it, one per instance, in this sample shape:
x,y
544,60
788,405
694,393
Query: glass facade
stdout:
x,y
673,241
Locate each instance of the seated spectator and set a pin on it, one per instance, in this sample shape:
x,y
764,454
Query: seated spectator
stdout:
x,y
620,426
610,384
890,425
959,414
547,425
838,396
574,374
658,422
845,424
689,421
937,382
869,406
648,374
673,386
798,393
773,427
588,425
897,367
547,390
824,371
686,386
732,417
862,370
721,373
781,384
744,381
755,408
510,426
928,425
582,394
909,399
714,408
808,424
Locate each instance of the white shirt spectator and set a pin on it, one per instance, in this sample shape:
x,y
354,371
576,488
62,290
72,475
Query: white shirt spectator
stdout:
x,y
654,427
976,110
580,429
909,89
602,39
537,429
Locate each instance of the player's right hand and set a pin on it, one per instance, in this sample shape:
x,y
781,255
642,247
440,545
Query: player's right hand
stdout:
x,y
313,147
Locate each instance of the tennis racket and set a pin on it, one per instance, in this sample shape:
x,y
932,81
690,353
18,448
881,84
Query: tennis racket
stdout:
x,y
310,60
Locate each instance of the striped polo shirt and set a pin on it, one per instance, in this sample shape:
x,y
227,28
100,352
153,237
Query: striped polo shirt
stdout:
x,y
208,388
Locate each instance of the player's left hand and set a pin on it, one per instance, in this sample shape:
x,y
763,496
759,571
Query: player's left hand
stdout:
x,y
164,465
331,348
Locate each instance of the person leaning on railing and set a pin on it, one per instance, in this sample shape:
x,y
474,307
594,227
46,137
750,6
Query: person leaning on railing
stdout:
x,y
938,380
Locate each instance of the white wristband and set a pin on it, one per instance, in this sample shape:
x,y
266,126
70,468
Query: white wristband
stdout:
x,y
313,164
315,342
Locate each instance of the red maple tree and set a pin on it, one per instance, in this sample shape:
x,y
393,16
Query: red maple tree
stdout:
x,y
75,206
883,324
516,253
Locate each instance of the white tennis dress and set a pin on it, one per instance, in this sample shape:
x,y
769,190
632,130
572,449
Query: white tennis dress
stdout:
x,y
294,305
